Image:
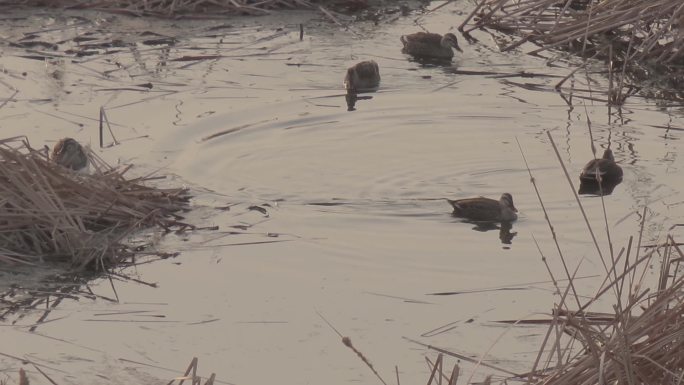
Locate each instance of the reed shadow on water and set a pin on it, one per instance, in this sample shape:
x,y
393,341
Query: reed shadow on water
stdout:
x,y
411,144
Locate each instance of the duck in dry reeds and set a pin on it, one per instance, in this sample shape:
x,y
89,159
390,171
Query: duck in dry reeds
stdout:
x,y
604,169
363,76
430,45
485,209
70,154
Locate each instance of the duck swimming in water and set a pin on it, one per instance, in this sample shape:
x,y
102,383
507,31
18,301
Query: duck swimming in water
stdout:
x,y
485,209
604,169
70,154
363,76
430,45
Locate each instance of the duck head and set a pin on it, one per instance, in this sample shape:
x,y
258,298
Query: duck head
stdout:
x,y
449,40
508,210
350,79
69,153
506,200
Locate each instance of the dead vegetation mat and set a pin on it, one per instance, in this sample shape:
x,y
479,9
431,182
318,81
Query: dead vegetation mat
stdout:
x,y
204,8
636,29
50,213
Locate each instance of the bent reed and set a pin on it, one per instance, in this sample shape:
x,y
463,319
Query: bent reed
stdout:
x,y
51,213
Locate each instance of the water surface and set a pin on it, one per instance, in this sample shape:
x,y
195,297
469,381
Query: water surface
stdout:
x,y
357,227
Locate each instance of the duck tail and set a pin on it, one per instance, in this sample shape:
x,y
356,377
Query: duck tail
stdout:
x,y
403,40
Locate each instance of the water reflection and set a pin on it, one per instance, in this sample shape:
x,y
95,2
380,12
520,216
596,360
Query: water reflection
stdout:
x,y
432,62
594,188
506,234
352,97
361,77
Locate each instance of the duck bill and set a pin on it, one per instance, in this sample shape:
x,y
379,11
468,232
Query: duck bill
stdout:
x,y
458,48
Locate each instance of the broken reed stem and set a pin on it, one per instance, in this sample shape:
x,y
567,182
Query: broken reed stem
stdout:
x,y
194,378
101,127
103,116
461,357
436,368
455,372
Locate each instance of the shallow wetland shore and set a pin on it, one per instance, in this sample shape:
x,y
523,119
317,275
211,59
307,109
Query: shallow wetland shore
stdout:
x,y
319,211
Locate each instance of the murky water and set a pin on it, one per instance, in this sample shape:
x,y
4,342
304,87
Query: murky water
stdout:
x,y
356,226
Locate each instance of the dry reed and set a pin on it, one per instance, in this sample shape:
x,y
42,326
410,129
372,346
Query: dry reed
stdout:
x,y
639,342
49,213
638,30
172,8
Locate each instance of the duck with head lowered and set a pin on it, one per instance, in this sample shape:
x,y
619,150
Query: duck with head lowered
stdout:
x,y
482,209
426,45
362,76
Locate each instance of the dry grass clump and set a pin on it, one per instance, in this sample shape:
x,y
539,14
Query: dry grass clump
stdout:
x,y
50,213
177,7
641,342
641,30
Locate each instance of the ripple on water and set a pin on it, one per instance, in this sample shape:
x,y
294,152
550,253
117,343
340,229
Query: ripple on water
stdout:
x,y
359,194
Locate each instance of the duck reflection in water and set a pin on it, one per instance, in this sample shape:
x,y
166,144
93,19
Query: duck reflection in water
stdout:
x,y
506,234
361,77
488,214
483,209
600,176
595,188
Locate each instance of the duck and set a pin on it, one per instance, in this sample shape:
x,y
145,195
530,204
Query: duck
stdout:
x,y
70,154
363,76
483,209
430,45
604,169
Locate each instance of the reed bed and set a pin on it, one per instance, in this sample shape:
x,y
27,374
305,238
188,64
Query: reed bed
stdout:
x,y
637,30
163,8
50,213
640,343
631,331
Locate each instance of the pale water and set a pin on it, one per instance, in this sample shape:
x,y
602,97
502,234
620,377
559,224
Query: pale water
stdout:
x,y
357,228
